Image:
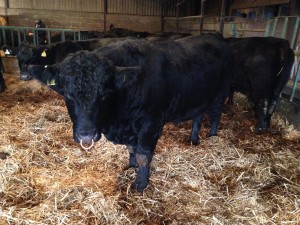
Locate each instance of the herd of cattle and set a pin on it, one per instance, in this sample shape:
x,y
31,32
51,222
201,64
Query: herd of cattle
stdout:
x,y
128,88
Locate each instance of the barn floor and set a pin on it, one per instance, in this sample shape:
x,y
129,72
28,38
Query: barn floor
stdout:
x,y
235,178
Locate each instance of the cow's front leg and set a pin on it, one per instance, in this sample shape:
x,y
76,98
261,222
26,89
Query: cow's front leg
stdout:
x,y
142,177
144,153
132,156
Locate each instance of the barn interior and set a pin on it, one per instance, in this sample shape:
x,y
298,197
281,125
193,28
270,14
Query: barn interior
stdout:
x,y
236,177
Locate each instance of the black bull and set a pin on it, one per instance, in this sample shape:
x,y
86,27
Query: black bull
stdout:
x,y
262,67
28,54
129,90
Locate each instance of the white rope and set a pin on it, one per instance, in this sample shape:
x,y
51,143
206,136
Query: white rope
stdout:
x,y
279,71
87,148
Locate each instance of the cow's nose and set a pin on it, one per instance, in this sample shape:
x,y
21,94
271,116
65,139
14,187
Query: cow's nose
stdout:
x,y
87,140
25,76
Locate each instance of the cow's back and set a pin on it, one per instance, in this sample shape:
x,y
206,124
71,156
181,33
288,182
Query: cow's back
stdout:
x,y
261,64
181,77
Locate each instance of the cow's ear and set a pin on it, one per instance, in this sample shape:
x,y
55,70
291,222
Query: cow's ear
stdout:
x,y
128,76
46,74
9,51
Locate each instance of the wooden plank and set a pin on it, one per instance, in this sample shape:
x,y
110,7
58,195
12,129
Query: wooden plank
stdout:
x,y
131,7
2,4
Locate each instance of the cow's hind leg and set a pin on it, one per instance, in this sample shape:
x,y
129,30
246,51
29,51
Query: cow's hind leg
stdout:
x,y
214,119
215,112
262,116
194,136
271,110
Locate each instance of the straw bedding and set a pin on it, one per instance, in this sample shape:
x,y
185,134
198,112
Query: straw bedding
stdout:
x,y
235,178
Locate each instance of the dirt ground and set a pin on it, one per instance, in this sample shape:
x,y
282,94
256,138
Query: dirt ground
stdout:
x,y
235,178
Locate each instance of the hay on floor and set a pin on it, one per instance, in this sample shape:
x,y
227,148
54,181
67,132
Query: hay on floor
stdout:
x,y
235,178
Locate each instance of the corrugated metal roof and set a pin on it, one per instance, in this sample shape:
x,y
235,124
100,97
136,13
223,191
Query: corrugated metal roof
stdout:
x,y
243,4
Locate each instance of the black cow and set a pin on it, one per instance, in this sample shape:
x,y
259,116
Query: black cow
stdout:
x,y
2,82
28,54
117,33
262,69
129,90
168,35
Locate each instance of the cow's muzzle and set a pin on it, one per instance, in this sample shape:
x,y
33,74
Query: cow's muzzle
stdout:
x,y
25,76
87,140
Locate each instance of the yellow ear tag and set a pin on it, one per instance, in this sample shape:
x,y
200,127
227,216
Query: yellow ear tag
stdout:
x,y
44,54
51,82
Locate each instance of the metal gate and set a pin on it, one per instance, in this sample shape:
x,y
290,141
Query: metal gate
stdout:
x,y
13,36
288,27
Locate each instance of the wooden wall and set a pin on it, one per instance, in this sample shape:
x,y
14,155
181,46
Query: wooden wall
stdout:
x,y
62,5
140,15
134,7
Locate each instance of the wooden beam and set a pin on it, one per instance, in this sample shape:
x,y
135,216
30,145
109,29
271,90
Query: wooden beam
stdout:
x,y
105,13
222,16
177,16
162,16
6,6
201,17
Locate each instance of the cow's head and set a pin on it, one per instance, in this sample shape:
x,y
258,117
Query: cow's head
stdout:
x,y
25,55
28,54
90,85
9,50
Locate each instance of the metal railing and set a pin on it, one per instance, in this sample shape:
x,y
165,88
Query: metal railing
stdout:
x,y
295,75
13,36
286,27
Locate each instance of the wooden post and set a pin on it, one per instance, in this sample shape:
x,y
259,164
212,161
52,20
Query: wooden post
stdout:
x,y
105,12
201,17
177,13
222,19
177,16
293,7
6,6
162,16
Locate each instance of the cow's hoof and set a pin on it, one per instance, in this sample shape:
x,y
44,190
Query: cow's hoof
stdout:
x,y
260,130
2,90
194,141
276,132
228,111
141,180
139,186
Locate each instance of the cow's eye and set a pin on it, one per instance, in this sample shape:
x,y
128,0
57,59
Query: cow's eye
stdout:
x,y
70,97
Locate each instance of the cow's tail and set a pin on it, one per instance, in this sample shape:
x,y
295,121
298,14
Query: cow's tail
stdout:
x,y
283,75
